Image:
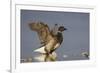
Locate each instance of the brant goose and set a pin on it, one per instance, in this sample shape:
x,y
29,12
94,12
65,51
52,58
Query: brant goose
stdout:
x,y
50,39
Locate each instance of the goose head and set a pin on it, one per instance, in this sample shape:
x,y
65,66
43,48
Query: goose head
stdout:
x,y
62,28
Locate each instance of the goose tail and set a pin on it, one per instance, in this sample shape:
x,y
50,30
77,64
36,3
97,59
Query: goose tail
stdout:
x,y
40,50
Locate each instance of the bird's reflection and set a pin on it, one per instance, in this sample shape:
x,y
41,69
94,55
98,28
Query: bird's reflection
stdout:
x,y
46,57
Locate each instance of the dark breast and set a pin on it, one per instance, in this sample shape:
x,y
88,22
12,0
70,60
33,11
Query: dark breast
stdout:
x,y
59,37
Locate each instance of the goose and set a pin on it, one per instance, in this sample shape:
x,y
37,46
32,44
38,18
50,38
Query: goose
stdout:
x,y
50,40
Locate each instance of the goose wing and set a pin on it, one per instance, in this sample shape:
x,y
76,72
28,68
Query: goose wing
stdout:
x,y
42,30
54,31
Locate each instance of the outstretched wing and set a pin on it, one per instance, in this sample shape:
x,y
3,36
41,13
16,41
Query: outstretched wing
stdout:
x,y
54,31
43,31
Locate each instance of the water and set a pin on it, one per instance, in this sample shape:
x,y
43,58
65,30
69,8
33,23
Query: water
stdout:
x,y
76,38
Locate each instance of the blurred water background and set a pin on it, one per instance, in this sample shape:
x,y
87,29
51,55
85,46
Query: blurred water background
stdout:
x,y
76,38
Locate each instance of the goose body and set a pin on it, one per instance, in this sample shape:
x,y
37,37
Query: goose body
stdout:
x,y
50,39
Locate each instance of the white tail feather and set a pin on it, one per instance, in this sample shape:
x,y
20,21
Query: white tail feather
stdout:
x,y
40,50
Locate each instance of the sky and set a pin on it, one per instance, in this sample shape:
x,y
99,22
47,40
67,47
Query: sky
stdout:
x,y
76,38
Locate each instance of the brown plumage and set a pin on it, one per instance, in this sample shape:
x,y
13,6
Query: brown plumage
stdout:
x,y
51,39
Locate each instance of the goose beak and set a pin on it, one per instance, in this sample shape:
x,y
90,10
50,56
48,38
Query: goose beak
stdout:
x,y
65,29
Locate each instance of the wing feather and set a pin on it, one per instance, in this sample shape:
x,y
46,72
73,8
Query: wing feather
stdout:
x,y
54,30
43,31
